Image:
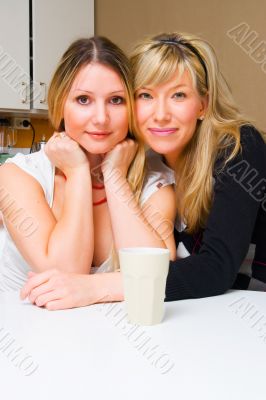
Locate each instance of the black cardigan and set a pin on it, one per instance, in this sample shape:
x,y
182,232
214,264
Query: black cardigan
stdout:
x,y
237,218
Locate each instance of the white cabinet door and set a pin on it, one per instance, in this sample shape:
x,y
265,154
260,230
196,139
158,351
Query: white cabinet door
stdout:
x,y
14,54
56,23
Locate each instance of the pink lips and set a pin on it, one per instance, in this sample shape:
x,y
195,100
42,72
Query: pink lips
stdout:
x,y
99,135
162,131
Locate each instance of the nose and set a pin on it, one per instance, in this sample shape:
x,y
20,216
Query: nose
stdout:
x,y
101,115
161,110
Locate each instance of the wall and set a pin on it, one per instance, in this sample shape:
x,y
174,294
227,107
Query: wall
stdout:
x,y
41,126
126,21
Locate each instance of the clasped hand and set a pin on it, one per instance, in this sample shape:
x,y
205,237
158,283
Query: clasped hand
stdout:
x,y
119,158
65,153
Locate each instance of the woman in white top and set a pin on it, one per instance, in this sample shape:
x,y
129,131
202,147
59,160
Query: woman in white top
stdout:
x,y
65,217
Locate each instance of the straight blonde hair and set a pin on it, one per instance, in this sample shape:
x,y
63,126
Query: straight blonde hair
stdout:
x,y
154,61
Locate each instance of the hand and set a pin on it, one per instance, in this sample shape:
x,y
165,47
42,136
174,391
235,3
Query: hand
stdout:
x,y
57,290
65,153
119,158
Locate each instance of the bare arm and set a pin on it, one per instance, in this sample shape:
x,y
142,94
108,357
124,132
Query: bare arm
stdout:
x,y
132,226
152,225
57,290
66,244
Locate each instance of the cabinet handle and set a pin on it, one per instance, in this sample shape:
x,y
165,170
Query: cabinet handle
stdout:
x,y
43,99
24,92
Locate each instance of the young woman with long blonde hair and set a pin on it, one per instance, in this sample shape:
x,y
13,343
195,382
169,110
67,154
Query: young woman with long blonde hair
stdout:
x,y
185,112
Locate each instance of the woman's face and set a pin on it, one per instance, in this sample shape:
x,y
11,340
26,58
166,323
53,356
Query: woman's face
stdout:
x,y
167,115
95,111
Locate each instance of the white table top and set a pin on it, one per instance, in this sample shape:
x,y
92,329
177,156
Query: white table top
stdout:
x,y
206,349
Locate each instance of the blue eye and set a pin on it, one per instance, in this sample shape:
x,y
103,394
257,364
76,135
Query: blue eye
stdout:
x,y
117,100
179,95
83,100
144,96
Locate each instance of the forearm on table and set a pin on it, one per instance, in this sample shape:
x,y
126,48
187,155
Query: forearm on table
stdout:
x,y
105,287
197,277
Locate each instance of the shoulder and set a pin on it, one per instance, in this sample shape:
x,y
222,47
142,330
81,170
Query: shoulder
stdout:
x,y
251,153
31,162
155,163
14,178
31,171
10,172
253,148
157,175
244,175
251,139
17,188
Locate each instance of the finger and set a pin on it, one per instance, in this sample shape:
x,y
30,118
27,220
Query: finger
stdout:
x,y
45,298
31,274
60,304
129,140
35,281
52,144
39,290
67,144
132,143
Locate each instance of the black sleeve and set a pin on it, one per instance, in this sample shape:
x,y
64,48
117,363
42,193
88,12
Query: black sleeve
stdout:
x,y
237,197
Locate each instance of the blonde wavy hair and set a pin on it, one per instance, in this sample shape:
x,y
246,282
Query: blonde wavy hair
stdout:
x,y
99,50
154,61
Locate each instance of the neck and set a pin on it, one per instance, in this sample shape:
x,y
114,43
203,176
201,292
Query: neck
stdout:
x,y
171,160
95,160
95,167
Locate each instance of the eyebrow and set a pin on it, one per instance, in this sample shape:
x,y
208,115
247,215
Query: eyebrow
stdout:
x,y
87,91
172,88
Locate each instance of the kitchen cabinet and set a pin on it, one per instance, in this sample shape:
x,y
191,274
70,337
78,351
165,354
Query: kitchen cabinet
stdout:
x,y
55,23
34,35
14,54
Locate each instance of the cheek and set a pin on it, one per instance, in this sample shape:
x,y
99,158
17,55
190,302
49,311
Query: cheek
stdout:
x,y
189,115
121,120
74,118
141,113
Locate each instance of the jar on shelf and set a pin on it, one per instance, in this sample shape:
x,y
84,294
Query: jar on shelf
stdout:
x,y
4,123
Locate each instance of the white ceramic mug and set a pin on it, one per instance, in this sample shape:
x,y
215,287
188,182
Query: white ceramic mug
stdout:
x,y
144,271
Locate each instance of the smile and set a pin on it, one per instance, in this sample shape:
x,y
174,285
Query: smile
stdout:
x,y
162,131
99,135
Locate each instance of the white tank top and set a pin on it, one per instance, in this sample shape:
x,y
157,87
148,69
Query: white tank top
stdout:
x,y
13,267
